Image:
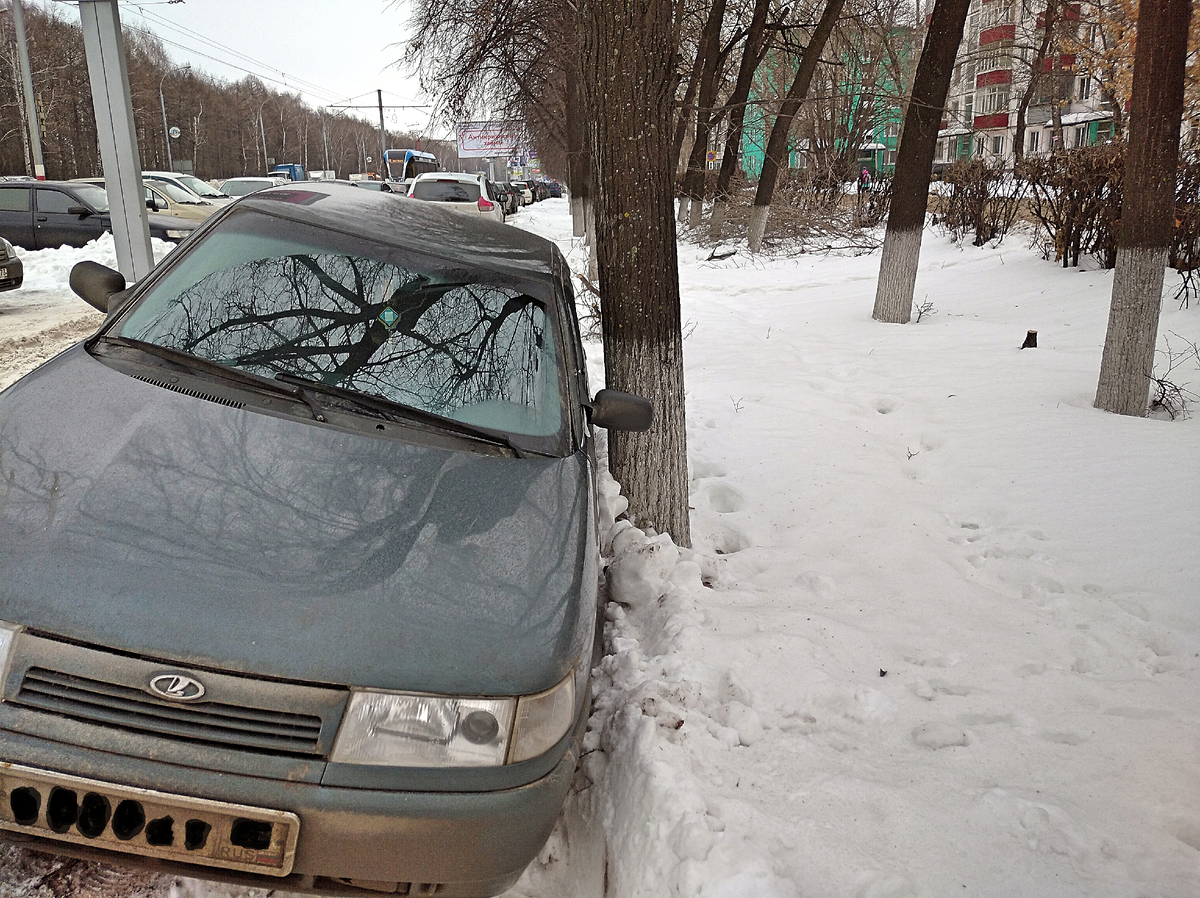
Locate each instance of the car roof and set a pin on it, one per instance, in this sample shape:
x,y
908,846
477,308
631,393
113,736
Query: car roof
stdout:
x,y
419,227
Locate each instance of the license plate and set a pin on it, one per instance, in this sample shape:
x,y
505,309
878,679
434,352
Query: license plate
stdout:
x,y
148,823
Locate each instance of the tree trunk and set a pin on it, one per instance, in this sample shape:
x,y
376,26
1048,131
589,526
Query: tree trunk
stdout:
x,y
697,166
777,143
1050,22
751,57
1148,210
628,52
914,160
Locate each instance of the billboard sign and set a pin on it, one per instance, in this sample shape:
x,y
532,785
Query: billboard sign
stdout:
x,y
478,140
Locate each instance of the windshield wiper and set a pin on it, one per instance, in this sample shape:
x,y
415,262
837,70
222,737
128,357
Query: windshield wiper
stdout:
x,y
195,363
390,410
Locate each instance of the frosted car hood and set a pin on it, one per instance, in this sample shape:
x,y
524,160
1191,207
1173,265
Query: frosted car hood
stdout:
x,y
179,529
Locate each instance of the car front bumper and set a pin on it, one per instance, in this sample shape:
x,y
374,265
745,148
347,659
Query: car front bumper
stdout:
x,y
346,841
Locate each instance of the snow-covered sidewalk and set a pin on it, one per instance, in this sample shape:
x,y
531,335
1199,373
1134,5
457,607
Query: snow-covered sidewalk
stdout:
x,y
939,633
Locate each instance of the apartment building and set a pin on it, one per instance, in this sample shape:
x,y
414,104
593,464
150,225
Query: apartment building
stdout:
x,y
997,61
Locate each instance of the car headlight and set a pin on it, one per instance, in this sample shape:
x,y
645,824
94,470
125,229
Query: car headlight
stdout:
x,y
177,235
403,730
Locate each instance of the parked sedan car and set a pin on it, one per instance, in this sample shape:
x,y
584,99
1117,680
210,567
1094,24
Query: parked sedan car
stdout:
x,y
527,195
506,197
300,567
202,189
472,193
43,214
167,199
12,270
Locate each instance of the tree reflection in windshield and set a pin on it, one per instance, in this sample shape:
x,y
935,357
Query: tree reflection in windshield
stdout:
x,y
472,351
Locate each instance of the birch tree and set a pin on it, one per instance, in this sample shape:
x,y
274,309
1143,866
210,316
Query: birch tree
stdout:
x,y
910,184
1148,212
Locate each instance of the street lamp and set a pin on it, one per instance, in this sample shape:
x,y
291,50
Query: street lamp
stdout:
x,y
163,104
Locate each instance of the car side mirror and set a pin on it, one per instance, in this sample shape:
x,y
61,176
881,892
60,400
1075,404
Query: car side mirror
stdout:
x,y
95,284
614,410
81,211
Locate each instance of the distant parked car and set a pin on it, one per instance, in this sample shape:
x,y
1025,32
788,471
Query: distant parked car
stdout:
x,y
12,270
236,187
202,189
526,191
299,557
42,214
165,198
507,197
461,191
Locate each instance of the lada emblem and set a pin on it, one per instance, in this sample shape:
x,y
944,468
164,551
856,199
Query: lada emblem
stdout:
x,y
176,687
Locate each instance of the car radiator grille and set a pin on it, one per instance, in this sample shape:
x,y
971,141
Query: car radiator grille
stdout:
x,y
114,705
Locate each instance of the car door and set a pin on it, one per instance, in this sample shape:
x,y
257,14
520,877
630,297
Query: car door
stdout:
x,y
16,215
53,223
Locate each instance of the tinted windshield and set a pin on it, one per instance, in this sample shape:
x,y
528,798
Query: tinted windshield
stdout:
x,y
198,187
447,191
270,296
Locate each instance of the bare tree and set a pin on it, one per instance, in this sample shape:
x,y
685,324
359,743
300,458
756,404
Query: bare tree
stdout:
x,y
910,185
777,145
628,54
1148,218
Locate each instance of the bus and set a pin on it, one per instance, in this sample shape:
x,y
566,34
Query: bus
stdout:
x,y
404,165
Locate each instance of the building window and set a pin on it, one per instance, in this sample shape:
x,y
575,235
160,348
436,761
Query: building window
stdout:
x,y
1032,140
998,145
969,109
1084,88
994,99
1081,136
980,145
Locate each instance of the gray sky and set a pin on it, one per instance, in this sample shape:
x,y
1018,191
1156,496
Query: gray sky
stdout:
x,y
332,53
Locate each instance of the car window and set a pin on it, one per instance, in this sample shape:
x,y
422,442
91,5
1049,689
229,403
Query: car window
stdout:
x,y
241,188
198,187
279,297
178,194
54,200
447,191
92,194
14,199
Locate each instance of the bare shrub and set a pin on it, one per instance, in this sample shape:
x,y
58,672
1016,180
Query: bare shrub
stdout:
x,y
1185,246
984,199
1075,195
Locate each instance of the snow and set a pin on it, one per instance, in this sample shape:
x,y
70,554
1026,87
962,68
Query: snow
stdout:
x,y
938,632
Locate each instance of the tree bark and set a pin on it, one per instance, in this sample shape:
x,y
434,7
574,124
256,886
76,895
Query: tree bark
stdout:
x,y
628,53
751,57
1148,210
914,160
777,143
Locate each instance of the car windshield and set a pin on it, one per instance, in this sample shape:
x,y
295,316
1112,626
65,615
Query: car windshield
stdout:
x,y
176,194
198,187
447,190
92,194
278,297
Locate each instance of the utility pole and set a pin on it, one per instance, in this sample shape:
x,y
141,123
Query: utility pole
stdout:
x,y
263,132
35,131
382,139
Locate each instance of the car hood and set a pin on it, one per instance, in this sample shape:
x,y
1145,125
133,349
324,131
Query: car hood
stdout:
x,y
182,530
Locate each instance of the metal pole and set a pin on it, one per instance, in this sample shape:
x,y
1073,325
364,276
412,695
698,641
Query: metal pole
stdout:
x,y
108,74
384,173
35,131
166,131
263,132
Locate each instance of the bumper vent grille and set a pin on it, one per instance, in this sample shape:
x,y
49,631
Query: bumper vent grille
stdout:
x,y
110,704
